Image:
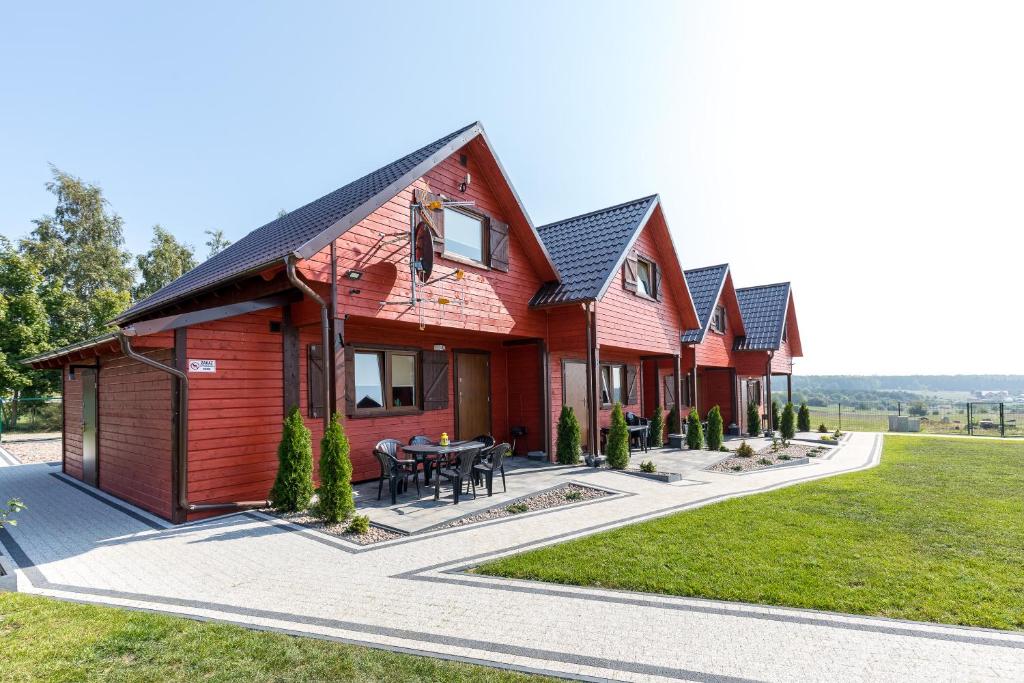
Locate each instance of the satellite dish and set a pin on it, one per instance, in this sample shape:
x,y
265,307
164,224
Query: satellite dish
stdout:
x,y
424,254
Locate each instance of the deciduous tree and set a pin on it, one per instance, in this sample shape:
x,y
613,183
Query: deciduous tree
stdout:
x,y
166,260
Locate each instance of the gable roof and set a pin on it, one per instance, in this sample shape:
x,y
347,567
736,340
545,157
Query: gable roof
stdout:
x,y
705,285
764,309
588,248
308,229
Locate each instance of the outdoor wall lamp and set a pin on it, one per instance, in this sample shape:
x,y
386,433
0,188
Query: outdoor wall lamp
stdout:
x,y
354,274
465,182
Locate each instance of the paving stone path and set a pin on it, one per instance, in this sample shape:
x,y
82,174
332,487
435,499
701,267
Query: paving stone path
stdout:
x,y
412,594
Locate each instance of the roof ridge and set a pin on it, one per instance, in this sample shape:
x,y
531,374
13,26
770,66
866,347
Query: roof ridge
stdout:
x,y
774,284
597,211
697,270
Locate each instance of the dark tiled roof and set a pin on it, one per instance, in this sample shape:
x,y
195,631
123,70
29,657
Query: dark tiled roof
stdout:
x,y
283,236
704,285
764,315
586,249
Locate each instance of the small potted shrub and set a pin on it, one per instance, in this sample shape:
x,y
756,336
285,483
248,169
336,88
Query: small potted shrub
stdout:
x,y
714,435
568,447
617,447
694,432
656,429
803,418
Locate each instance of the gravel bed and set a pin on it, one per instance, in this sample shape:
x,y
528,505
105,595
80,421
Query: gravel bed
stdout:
x,y
793,451
375,535
33,448
553,498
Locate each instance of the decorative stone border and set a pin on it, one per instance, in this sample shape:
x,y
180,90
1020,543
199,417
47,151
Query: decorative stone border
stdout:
x,y
663,477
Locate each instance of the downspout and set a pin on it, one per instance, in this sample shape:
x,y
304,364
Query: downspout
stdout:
x,y
325,339
182,445
768,382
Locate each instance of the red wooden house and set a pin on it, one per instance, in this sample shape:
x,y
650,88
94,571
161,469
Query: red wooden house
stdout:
x,y
182,407
615,316
771,341
708,351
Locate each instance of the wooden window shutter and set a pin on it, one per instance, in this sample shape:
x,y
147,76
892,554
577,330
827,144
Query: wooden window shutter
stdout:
x,y
350,380
435,380
499,245
315,380
631,385
434,218
629,272
656,272
670,392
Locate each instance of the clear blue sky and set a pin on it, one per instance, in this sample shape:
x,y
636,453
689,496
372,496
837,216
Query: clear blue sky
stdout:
x,y
870,154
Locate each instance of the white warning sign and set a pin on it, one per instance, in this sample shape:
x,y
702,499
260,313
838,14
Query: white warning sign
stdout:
x,y
202,365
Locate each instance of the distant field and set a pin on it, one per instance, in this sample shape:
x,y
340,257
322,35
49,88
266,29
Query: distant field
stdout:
x,y
947,421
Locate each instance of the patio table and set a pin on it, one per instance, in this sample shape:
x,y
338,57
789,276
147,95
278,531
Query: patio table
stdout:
x,y
431,453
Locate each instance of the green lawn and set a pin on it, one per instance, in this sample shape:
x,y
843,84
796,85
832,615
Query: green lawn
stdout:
x,y
934,533
45,639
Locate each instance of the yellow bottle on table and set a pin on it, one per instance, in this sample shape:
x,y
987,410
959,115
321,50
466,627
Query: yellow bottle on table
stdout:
x,y
444,438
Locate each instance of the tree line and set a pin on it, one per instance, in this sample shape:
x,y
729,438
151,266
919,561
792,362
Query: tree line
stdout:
x,y
66,280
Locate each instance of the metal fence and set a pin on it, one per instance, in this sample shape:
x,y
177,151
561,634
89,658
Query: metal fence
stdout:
x,y
31,415
973,418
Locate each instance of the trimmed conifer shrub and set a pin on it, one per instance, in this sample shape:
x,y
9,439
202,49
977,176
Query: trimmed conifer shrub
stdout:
x,y
787,425
673,425
656,428
567,449
803,418
617,448
714,436
694,432
753,419
293,486
335,492
775,414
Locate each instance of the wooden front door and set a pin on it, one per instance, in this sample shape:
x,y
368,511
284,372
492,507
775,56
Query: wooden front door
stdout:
x,y
574,395
472,394
90,419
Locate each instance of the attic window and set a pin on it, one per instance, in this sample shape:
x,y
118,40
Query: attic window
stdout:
x,y
464,235
645,277
718,320
785,333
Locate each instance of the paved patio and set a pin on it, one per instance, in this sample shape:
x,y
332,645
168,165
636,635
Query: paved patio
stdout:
x,y
76,543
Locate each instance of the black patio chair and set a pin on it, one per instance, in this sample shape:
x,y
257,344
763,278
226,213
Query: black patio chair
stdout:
x,y
493,460
461,473
420,440
393,469
634,420
486,439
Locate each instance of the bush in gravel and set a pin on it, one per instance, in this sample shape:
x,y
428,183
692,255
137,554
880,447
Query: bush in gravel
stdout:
x,y
648,466
573,495
785,457
753,419
714,436
787,427
656,429
803,418
360,524
335,492
736,468
764,461
673,425
517,508
694,432
745,450
568,447
822,429
293,486
775,414
617,448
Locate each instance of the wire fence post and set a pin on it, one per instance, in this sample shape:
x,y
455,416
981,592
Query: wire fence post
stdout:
x,y
899,408
1002,421
840,417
